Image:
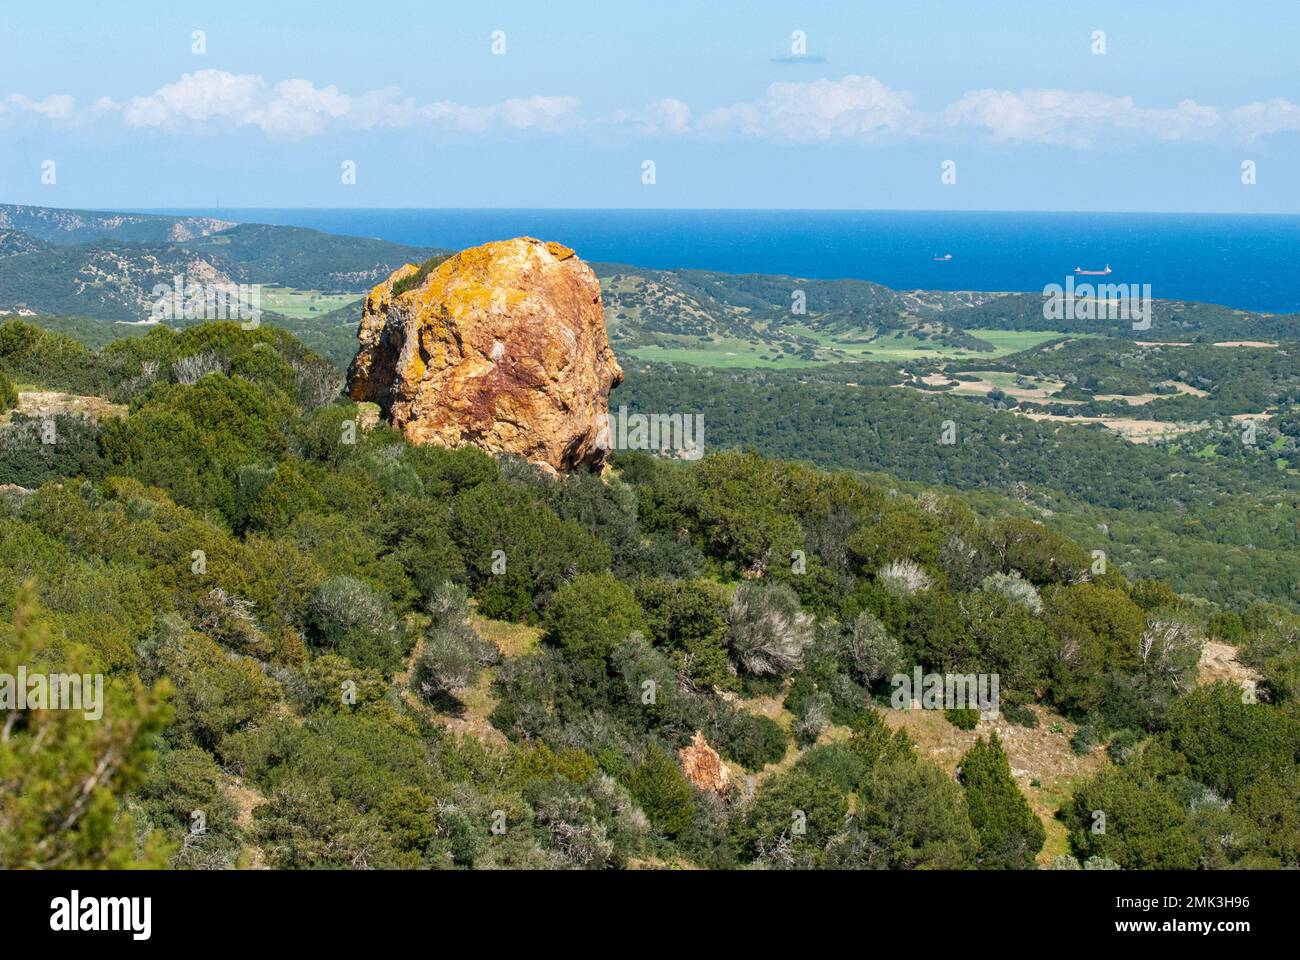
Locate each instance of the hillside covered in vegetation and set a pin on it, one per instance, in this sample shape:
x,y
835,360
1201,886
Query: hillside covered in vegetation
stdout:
x,y
709,318
107,266
1217,517
326,647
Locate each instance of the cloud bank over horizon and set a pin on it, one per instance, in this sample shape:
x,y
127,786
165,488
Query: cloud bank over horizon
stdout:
x,y
855,108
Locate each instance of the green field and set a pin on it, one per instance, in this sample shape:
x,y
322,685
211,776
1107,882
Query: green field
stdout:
x,y
302,304
838,348
724,352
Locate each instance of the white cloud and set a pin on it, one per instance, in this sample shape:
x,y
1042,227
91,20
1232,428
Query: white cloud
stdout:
x,y
851,108
56,107
861,108
298,108
541,113
201,96
668,116
1077,119
1265,117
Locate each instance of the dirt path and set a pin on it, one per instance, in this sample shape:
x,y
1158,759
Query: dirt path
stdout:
x,y
246,799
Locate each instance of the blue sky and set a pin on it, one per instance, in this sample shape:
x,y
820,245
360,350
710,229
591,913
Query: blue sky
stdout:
x,y
585,92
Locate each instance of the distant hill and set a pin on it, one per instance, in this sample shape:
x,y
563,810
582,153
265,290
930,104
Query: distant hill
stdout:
x,y
14,241
83,226
105,266
672,307
815,319
306,259
1174,320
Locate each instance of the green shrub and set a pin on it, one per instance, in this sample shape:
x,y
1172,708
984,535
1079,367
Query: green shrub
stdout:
x,y
689,620
35,450
911,816
752,740
663,792
353,620
1019,714
1229,742
184,796
795,812
1144,828
8,393
518,552
1084,740
1010,832
216,693
1123,746
591,616
836,763
966,718
417,278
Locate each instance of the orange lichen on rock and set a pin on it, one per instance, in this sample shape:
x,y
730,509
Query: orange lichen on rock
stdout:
x,y
702,765
502,346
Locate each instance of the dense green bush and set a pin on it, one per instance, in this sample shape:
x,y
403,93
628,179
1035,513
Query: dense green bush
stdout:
x,y
1019,714
663,792
8,393
1230,742
689,620
912,816
591,616
966,718
792,818
1010,833
1119,817
36,450
753,741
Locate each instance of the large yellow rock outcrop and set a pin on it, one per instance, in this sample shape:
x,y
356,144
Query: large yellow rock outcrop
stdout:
x,y
502,346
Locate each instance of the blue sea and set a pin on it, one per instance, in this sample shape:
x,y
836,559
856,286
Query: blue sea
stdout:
x,y
1244,261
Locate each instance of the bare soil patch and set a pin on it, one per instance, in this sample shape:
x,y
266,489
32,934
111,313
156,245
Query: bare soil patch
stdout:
x,y
49,403
1219,662
1134,430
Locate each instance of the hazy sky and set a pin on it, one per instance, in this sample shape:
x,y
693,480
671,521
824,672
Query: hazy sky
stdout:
x,y
577,96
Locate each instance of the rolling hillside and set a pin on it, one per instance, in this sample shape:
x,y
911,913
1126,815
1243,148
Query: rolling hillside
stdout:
x,y
106,266
83,226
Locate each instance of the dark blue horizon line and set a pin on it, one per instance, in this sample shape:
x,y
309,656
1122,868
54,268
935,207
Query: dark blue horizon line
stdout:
x,y
1091,213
